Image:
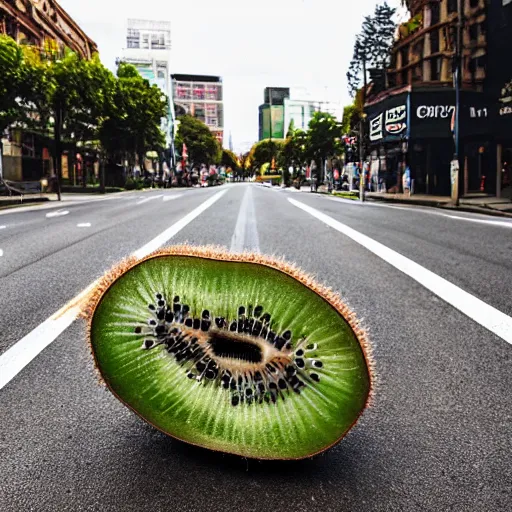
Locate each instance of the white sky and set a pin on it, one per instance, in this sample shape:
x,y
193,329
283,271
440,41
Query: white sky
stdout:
x,y
250,43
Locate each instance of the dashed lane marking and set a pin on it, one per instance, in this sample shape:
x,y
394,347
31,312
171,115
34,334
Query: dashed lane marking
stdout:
x,y
59,213
171,198
147,199
28,348
84,225
476,309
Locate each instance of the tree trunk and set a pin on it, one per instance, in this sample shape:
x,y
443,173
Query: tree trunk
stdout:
x,y
58,148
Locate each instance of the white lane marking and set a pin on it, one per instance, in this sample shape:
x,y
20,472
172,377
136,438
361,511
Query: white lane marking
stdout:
x,y
178,226
476,309
412,208
28,348
152,198
245,236
59,213
3,227
1,253
171,198
84,225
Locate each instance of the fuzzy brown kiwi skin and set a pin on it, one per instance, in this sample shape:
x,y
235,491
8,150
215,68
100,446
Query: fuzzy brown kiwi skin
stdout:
x,y
222,254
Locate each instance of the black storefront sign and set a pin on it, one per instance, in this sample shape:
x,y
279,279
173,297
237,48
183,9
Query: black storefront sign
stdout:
x,y
388,119
433,112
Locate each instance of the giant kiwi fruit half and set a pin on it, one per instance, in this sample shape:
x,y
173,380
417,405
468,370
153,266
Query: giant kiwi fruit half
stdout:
x,y
238,353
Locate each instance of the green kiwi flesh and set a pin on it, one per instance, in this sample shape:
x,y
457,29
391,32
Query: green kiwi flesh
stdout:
x,y
238,354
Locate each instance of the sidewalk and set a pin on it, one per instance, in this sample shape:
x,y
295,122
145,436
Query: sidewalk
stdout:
x,y
477,203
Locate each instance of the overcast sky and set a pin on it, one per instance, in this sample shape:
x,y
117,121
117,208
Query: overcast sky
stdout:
x,y
250,43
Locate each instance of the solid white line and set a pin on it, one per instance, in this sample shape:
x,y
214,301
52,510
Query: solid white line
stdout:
x,y
60,213
171,198
3,227
413,208
149,199
479,311
245,235
28,348
1,253
84,225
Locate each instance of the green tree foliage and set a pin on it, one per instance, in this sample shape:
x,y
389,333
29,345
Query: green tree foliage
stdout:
x,y
372,45
229,159
263,152
203,147
323,138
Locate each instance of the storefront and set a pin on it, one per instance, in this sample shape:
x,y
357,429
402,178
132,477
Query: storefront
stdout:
x,y
414,129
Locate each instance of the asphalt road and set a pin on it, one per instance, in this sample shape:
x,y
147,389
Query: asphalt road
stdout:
x,y
438,436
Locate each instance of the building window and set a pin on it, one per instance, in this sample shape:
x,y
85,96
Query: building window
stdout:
x,y
417,75
435,69
435,13
133,39
473,3
145,41
405,56
452,6
434,41
417,50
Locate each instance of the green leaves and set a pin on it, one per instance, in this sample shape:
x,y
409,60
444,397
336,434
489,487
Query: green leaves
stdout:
x,y
202,145
122,113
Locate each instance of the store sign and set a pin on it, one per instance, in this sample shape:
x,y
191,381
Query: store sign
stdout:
x,y
396,120
506,99
435,111
376,128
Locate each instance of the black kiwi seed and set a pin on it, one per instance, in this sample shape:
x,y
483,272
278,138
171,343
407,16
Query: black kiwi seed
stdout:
x,y
152,307
161,303
299,353
300,363
315,377
159,296
235,401
318,364
138,330
169,317
287,335
189,322
258,310
148,343
176,299
177,308
197,324
233,327
241,310
185,309
206,314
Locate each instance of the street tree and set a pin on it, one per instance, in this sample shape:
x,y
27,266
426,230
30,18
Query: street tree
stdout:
x,y
372,45
229,159
323,140
263,152
203,147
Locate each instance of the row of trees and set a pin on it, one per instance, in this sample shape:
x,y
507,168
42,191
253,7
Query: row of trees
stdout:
x,y
80,103
322,141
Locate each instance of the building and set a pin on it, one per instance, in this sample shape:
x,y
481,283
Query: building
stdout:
x,y
286,111
200,96
46,25
35,22
498,88
148,48
411,120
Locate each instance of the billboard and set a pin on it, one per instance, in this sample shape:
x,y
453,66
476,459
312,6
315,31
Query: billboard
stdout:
x,y
277,122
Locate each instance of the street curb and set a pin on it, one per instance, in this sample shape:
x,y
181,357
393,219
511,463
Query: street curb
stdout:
x,y
443,206
4,205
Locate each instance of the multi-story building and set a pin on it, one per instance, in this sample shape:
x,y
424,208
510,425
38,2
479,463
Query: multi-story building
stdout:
x,y
498,88
148,48
200,96
286,110
46,25
411,120
36,22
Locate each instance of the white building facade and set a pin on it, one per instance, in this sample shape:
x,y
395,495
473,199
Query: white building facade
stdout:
x,y
148,48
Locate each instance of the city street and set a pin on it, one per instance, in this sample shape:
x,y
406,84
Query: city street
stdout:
x,y
433,288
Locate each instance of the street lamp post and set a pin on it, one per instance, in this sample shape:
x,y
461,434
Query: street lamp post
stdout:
x,y
457,169
361,138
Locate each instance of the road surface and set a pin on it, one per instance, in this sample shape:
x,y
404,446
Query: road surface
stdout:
x,y
434,290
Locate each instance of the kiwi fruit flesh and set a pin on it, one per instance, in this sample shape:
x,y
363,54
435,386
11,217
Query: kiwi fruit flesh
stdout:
x,y
241,354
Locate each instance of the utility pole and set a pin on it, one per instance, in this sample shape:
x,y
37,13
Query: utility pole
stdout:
x,y
361,137
457,169
270,121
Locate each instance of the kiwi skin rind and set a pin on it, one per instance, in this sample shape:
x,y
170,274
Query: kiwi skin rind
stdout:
x,y
221,254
